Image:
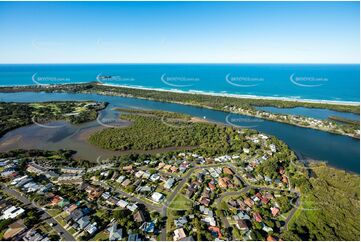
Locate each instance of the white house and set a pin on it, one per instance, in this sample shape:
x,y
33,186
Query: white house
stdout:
x,y
122,203
179,234
12,212
154,177
157,197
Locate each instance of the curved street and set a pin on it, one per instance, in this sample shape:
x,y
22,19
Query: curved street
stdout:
x,y
161,208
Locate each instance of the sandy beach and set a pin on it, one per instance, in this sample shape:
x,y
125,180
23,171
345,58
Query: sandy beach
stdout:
x,y
240,96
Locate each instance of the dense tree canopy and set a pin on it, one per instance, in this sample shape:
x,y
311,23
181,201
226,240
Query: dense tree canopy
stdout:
x,y
149,132
331,202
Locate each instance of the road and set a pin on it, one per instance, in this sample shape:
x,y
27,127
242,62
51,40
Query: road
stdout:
x,y
246,189
44,215
169,200
131,197
218,201
183,180
292,213
161,209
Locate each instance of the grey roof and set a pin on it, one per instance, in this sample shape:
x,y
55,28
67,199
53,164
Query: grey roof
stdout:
x,y
114,233
83,222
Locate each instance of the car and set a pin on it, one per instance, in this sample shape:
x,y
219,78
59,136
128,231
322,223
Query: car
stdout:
x,y
52,224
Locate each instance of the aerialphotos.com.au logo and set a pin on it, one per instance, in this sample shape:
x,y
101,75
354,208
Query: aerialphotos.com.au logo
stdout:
x,y
243,81
99,160
113,78
179,81
45,123
110,123
110,45
305,164
48,80
49,46
177,124
242,122
306,204
307,81
103,164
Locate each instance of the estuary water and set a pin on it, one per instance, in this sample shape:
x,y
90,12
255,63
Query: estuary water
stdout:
x,y
339,151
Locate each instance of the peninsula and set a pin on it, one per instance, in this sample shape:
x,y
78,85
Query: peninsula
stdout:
x,y
244,106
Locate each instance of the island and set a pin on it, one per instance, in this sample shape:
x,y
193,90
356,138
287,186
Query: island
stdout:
x,y
240,105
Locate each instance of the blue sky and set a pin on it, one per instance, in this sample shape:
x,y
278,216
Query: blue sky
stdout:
x,y
179,32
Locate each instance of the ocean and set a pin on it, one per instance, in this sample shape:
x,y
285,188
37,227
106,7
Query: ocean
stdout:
x,y
295,81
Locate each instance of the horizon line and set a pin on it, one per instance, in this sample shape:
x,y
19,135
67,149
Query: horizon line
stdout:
x,y
188,63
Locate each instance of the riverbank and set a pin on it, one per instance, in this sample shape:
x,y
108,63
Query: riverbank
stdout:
x,y
271,101
239,96
340,151
245,106
331,126
249,110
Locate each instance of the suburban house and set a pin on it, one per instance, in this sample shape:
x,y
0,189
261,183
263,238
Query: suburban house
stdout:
x,y
14,229
157,197
179,234
115,234
139,217
72,170
169,183
12,212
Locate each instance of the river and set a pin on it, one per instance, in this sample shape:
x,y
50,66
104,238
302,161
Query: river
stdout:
x,y
339,151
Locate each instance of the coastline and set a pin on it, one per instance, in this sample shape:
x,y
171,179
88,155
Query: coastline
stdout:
x,y
197,92
355,136
220,105
240,96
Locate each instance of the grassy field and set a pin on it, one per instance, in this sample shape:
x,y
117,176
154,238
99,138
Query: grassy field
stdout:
x,y
60,219
54,212
180,202
71,231
101,236
169,224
